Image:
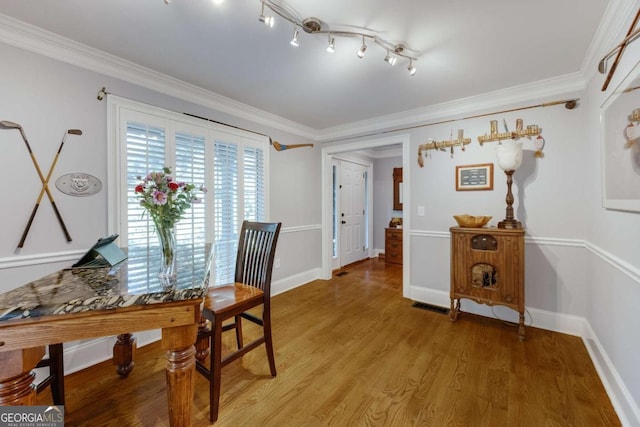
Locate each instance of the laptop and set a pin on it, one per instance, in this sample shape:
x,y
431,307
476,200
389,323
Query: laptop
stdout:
x,y
104,253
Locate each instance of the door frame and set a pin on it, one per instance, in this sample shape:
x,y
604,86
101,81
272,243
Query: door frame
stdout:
x,y
327,153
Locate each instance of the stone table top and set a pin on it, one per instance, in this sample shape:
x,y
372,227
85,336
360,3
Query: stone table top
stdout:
x,y
132,282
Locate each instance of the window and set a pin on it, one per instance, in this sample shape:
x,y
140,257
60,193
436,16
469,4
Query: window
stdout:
x,y
230,163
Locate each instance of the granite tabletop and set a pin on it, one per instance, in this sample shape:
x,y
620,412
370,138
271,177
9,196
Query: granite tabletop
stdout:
x,y
132,282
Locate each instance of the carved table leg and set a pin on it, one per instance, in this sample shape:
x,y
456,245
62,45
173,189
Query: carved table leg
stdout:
x,y
123,352
180,372
16,376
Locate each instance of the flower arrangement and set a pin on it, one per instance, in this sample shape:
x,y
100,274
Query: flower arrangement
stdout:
x,y
166,201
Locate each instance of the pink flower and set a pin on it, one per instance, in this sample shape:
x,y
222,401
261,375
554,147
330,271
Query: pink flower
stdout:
x,y
159,198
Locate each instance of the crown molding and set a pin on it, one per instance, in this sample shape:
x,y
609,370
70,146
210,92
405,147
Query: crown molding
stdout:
x,y
542,89
34,39
615,19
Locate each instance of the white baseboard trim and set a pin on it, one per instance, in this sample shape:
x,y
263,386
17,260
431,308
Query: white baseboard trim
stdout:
x,y
291,282
621,398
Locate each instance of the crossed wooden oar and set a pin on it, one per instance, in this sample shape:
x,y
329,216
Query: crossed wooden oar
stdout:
x,y
5,124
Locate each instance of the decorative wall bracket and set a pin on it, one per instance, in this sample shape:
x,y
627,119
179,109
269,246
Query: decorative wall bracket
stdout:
x,y
461,141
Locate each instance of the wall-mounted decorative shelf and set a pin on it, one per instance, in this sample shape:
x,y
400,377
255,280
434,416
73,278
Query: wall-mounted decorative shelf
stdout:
x,y
443,145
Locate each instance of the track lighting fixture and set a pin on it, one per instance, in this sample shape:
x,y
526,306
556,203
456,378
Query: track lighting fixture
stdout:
x,y
313,25
412,69
332,44
362,49
294,40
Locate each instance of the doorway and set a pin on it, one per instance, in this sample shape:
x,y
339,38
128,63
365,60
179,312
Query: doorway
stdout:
x,y
329,156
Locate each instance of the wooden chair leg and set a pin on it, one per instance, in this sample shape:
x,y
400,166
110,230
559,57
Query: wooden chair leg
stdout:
x,y
215,369
57,367
238,321
268,342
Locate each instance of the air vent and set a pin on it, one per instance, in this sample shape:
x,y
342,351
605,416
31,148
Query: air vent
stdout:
x,y
430,307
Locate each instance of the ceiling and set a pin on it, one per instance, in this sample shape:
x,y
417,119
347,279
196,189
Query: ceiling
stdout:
x,y
467,48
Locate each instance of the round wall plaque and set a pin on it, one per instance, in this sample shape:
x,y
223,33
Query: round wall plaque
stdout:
x,y
78,184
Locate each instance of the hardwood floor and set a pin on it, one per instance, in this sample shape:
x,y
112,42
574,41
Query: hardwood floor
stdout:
x,y
353,351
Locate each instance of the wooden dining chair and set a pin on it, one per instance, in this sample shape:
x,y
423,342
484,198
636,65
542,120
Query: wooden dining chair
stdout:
x,y
252,288
55,379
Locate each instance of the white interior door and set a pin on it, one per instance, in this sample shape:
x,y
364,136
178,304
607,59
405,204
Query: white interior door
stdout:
x,y
352,213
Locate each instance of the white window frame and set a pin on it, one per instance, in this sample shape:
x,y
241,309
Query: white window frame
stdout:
x,y
119,109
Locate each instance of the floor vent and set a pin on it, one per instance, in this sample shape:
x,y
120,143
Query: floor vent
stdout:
x,y
431,307
342,273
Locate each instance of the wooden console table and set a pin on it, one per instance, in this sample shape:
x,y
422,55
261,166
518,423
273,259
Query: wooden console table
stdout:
x,y
79,304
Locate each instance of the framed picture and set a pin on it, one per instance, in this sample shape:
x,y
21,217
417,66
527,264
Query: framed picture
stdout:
x,y
620,120
474,177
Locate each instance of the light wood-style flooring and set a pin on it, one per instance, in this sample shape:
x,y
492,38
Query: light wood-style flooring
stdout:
x,y
352,351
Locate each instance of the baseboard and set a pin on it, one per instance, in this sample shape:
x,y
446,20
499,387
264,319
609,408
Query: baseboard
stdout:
x,y
621,398
291,282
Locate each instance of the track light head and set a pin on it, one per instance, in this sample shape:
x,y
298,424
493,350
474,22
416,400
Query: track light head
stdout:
x,y
294,39
266,20
332,44
390,58
362,49
411,68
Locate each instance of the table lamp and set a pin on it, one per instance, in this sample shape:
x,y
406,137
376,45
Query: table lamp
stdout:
x,y
509,159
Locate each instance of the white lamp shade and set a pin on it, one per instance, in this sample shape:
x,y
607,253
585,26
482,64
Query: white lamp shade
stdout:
x,y
509,155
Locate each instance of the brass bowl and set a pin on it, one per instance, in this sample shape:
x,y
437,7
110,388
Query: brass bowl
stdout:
x,y
470,221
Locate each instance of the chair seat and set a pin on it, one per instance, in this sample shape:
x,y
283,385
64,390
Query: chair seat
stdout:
x,y
230,300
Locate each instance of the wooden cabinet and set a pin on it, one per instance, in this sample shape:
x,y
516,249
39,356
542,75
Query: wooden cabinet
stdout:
x,y
393,245
487,266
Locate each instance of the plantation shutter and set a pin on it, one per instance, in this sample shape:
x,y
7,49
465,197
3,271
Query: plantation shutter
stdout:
x,y
232,164
190,230
145,153
226,212
254,202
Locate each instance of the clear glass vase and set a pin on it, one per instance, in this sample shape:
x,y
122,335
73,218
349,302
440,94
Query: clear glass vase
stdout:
x,y
167,238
